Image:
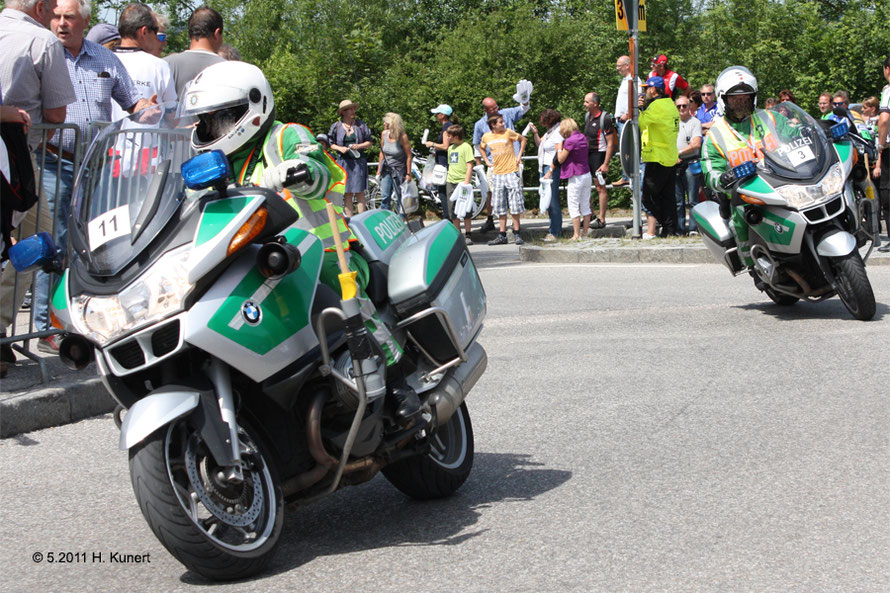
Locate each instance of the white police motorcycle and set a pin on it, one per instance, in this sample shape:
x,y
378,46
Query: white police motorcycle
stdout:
x,y
244,384
804,218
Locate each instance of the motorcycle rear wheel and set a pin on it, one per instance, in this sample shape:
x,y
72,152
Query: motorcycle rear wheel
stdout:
x,y
852,285
217,529
445,468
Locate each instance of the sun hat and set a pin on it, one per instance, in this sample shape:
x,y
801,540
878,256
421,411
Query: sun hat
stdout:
x,y
103,33
345,104
444,109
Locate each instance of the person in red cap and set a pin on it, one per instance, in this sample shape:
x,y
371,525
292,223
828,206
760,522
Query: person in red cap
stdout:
x,y
672,80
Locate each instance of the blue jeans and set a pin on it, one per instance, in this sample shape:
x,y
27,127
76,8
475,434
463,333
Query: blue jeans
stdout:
x,y
686,185
59,204
443,199
554,211
389,185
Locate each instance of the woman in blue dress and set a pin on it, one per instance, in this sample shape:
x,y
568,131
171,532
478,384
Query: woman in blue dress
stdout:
x,y
350,138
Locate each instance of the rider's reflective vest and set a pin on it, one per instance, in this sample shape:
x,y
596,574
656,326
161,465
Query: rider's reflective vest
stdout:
x,y
313,212
736,148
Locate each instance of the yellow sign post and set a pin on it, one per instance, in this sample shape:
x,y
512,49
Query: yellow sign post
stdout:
x,y
621,16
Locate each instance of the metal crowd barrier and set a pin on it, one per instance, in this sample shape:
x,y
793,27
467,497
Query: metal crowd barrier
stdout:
x,y
22,329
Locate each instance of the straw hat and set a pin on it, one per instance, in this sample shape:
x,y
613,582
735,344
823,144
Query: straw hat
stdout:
x,y
345,104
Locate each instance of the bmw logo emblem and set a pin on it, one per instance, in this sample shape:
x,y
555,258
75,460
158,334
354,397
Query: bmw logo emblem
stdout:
x,y
780,229
193,100
251,312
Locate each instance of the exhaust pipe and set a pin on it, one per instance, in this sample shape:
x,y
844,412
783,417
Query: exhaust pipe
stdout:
x,y
448,395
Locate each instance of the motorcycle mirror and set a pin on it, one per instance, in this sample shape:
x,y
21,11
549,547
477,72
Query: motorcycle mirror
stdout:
x,y
208,169
36,252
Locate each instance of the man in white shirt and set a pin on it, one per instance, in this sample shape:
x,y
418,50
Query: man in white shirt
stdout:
x,y
206,37
139,39
622,112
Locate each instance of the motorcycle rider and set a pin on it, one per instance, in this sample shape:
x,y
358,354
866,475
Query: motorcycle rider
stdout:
x,y
235,108
737,136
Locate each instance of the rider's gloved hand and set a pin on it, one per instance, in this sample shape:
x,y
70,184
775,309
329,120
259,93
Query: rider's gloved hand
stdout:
x,y
728,179
291,174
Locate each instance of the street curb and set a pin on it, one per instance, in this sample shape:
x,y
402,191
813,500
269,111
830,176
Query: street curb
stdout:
x,y
53,406
651,254
622,255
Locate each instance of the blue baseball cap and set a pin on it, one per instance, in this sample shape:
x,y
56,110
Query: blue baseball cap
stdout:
x,y
443,109
656,81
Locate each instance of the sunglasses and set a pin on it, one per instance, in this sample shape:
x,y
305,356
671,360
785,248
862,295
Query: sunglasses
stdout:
x,y
682,105
162,37
841,104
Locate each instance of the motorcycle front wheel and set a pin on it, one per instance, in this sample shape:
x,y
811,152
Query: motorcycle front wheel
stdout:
x,y
445,468
852,285
218,528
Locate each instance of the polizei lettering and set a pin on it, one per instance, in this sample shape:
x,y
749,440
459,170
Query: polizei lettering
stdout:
x,y
390,228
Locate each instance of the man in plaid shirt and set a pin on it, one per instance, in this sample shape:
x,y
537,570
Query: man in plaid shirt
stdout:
x,y
98,77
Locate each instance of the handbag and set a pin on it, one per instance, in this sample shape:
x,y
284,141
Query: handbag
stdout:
x,y
410,197
545,191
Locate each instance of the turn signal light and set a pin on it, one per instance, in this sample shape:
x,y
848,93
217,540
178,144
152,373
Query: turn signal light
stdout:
x,y
249,230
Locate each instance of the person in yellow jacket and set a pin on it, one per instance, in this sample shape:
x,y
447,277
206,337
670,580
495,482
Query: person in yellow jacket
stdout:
x,y
659,126
235,108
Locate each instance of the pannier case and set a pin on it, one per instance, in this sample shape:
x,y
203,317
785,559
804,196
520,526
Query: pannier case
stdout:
x,y
380,232
433,268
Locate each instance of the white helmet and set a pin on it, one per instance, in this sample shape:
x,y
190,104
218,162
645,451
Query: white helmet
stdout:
x,y
736,80
234,104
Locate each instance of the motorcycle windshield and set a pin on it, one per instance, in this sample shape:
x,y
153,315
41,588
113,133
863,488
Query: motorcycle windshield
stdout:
x,y
129,188
793,144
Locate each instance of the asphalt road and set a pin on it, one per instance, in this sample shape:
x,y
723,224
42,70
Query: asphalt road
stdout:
x,y
639,428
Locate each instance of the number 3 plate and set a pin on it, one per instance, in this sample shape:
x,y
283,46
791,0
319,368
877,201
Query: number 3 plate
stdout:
x,y
110,225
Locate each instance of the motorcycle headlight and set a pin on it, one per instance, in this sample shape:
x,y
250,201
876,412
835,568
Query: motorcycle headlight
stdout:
x,y
156,294
801,196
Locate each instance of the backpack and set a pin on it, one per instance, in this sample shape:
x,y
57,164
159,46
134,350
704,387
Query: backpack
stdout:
x,y
19,192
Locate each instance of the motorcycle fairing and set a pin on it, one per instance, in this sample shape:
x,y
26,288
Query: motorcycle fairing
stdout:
x,y
219,222
782,230
259,325
845,156
59,301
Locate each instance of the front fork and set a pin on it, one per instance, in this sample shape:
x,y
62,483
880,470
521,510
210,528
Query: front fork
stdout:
x,y
222,383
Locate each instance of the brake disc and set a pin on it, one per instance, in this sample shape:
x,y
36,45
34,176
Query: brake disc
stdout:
x,y
213,499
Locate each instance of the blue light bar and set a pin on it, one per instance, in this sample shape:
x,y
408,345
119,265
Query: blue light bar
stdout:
x,y
205,170
32,253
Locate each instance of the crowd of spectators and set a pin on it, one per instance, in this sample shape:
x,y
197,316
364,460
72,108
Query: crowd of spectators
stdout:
x,y
57,70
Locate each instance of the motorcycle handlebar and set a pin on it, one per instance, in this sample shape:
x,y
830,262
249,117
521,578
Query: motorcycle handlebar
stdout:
x,y
297,175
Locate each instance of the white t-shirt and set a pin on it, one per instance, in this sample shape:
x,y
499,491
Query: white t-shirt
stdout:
x,y
621,99
688,130
151,76
547,148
